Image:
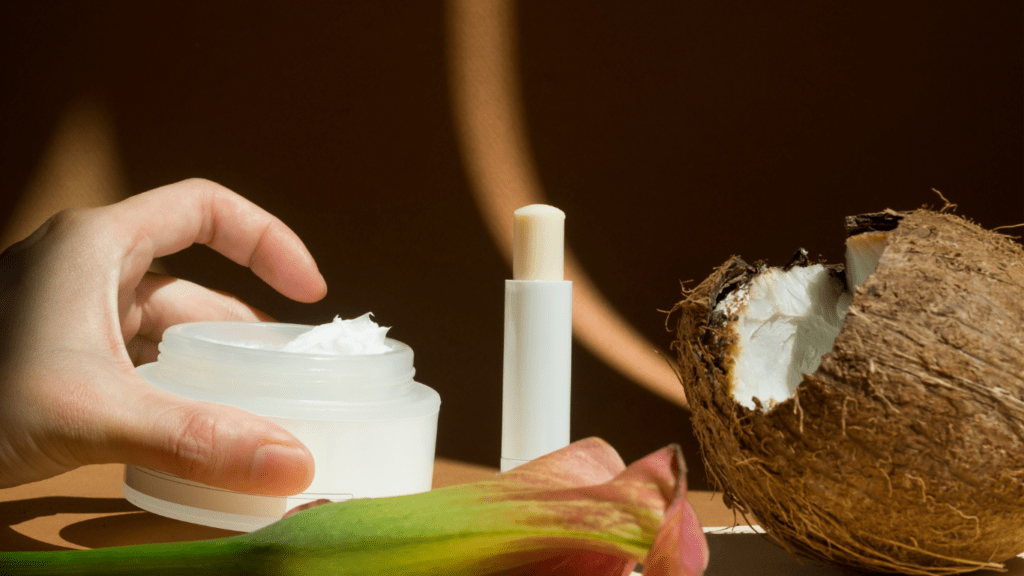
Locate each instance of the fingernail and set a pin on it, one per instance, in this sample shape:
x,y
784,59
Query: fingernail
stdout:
x,y
281,469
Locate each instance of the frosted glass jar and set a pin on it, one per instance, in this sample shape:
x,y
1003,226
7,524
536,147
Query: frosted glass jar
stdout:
x,y
371,428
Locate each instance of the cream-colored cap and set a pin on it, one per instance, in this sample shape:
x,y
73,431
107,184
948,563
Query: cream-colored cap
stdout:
x,y
538,243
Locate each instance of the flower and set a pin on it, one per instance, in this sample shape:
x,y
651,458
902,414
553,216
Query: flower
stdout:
x,y
578,510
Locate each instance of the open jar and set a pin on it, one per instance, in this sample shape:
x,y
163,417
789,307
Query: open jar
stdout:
x,y
370,427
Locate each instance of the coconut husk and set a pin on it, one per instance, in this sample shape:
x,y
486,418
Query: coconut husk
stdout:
x,y
904,451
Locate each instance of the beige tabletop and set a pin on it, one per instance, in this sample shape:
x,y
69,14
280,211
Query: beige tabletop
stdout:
x,y
84,508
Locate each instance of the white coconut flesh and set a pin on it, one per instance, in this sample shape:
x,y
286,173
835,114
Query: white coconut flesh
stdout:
x,y
784,321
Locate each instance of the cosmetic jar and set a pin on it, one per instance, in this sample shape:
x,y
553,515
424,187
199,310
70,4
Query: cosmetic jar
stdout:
x,y
371,428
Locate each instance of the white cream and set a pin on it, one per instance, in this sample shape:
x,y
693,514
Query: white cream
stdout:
x,y
357,336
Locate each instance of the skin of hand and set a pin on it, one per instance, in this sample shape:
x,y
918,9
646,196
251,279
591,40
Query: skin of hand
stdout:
x,y
78,310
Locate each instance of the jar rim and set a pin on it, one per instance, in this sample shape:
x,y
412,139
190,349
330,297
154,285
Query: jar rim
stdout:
x,y
248,344
224,362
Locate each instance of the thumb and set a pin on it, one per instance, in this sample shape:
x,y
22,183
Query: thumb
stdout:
x,y
214,444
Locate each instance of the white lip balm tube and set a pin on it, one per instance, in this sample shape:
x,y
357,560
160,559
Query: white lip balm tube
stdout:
x,y
538,339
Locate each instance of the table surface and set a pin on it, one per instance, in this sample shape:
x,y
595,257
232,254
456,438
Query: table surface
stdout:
x,y
84,508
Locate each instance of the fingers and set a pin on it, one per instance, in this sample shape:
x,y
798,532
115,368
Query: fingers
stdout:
x,y
213,444
90,412
164,301
77,289
171,218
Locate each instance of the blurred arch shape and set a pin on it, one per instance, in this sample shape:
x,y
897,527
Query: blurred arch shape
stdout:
x,y
490,127
79,168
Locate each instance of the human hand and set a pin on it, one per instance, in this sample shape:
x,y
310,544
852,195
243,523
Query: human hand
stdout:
x,y
78,306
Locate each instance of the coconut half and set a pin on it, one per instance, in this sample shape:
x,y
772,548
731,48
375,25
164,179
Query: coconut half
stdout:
x,y
870,415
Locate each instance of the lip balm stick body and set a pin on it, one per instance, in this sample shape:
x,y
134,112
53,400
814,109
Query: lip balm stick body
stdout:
x,y
538,339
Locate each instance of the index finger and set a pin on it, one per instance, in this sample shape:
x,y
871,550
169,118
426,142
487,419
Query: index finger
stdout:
x,y
171,218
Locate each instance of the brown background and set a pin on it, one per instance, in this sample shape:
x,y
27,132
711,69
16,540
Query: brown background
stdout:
x,y
673,134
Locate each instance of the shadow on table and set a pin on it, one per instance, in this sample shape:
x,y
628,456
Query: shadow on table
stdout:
x,y
748,554
17,511
739,554
138,527
122,523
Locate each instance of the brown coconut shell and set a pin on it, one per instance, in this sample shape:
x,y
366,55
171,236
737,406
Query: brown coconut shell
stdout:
x,y
904,451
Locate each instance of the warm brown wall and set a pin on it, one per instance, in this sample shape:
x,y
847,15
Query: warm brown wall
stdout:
x,y
673,134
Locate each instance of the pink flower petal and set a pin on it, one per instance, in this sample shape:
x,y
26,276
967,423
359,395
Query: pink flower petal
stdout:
x,y
577,511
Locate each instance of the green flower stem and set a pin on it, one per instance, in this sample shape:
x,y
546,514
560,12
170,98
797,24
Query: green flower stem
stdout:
x,y
227,556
